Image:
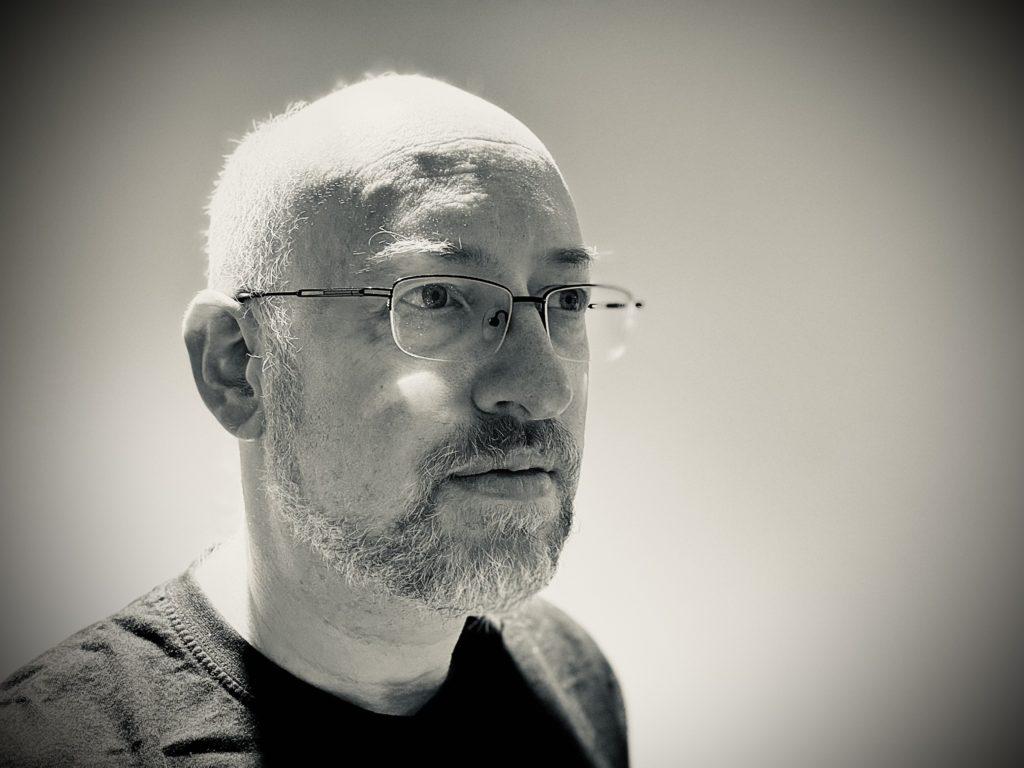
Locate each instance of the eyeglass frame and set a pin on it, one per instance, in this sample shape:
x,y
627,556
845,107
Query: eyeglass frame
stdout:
x,y
388,293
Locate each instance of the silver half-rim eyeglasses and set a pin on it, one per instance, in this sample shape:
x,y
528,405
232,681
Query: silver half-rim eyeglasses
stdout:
x,y
453,318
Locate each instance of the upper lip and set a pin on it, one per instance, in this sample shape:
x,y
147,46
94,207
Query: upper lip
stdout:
x,y
515,462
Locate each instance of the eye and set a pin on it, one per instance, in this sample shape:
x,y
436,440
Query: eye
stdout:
x,y
432,296
436,298
572,300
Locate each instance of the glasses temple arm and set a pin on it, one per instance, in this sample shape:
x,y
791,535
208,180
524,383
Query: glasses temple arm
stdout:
x,y
315,293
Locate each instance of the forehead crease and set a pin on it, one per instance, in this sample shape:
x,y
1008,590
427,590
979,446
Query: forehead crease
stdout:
x,y
459,173
479,146
472,156
437,190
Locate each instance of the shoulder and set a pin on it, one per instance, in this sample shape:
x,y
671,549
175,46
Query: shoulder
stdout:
x,y
555,652
542,628
76,694
107,652
555,634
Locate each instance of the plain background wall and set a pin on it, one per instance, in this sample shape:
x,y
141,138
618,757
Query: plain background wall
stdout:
x,y
800,523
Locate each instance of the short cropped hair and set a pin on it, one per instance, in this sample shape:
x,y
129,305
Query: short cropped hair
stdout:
x,y
252,216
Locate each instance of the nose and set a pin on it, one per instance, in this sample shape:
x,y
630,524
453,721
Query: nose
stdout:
x,y
525,378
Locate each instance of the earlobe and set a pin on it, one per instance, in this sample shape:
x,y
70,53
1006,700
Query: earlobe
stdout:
x,y
221,342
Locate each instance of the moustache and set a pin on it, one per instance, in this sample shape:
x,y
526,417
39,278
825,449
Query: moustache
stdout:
x,y
498,437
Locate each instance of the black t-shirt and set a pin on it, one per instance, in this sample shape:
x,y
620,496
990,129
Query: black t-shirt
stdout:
x,y
167,682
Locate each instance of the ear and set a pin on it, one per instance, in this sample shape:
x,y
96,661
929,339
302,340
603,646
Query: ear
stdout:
x,y
222,347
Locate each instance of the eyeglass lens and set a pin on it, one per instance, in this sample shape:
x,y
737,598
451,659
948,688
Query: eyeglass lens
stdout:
x,y
453,319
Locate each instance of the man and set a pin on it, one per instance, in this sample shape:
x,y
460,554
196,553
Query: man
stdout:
x,y
397,329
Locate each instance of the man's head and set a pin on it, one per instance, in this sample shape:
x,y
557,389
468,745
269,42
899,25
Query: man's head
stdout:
x,y
446,483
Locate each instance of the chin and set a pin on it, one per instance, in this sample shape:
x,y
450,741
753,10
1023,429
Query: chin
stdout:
x,y
498,569
455,556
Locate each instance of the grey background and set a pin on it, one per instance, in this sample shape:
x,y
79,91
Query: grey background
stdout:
x,y
801,511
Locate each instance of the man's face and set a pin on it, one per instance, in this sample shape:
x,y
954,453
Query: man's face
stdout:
x,y
449,483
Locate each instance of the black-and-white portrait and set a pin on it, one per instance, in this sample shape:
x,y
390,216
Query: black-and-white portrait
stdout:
x,y
474,383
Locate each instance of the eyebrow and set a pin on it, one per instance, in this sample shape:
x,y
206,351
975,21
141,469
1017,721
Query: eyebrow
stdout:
x,y
577,255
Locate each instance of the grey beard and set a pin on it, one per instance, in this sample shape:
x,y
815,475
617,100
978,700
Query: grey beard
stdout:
x,y
415,558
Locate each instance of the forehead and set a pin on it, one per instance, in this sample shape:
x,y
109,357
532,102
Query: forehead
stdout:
x,y
497,199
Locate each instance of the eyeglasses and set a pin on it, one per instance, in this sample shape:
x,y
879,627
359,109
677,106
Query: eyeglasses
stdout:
x,y
453,318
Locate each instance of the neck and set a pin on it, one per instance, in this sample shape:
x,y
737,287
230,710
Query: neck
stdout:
x,y
384,656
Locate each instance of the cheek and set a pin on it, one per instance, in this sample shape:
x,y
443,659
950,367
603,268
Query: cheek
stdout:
x,y
367,427
372,384
422,393
412,408
411,393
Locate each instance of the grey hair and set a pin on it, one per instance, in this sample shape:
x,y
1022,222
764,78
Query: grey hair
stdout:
x,y
249,241
257,205
252,214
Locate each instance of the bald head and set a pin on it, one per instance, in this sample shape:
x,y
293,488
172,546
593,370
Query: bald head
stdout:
x,y
392,157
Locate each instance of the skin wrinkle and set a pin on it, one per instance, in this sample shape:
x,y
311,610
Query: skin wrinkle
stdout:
x,y
386,157
379,198
401,247
379,184
407,246
416,173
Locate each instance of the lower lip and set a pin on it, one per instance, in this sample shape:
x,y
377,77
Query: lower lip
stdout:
x,y
501,484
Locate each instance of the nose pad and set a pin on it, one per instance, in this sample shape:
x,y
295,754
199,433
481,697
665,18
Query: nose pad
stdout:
x,y
494,326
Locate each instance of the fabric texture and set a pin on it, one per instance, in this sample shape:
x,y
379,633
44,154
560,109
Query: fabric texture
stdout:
x,y
167,682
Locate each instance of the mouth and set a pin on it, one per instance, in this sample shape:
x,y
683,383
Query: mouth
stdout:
x,y
519,484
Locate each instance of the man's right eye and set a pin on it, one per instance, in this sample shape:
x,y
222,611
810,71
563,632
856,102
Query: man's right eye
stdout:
x,y
433,296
